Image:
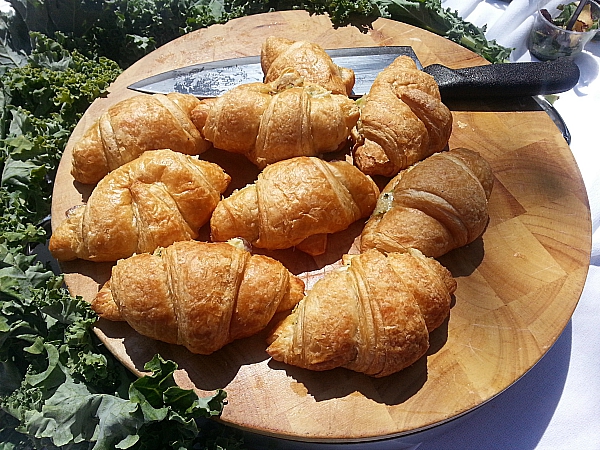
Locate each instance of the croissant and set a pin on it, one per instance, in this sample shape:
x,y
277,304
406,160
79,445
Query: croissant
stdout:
x,y
296,202
198,294
309,59
157,199
132,126
279,120
372,316
437,205
402,120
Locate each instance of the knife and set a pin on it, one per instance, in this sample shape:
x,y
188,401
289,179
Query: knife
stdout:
x,y
492,80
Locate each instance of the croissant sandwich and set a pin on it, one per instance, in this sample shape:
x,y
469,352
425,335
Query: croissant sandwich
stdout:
x,y
132,126
198,294
296,202
402,120
157,199
372,316
278,120
309,59
437,205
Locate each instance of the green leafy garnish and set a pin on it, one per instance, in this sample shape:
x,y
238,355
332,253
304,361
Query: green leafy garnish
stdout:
x,y
126,30
582,23
60,386
426,14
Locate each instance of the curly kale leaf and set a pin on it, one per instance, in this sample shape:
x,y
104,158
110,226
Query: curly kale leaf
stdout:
x,y
431,16
121,30
12,44
426,14
124,31
63,387
41,104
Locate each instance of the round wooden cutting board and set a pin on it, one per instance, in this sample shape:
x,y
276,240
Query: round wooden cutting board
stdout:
x,y
517,285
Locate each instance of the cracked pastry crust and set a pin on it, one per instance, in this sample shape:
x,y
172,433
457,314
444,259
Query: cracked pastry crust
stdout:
x,y
157,199
402,120
437,205
270,122
198,294
296,202
309,60
372,316
133,126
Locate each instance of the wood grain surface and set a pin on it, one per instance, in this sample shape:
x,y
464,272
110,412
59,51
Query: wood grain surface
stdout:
x,y
517,285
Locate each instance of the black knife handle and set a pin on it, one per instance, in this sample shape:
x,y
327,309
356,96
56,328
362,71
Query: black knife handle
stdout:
x,y
506,79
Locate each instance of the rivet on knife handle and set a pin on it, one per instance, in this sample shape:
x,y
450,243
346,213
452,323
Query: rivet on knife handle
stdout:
x,y
505,80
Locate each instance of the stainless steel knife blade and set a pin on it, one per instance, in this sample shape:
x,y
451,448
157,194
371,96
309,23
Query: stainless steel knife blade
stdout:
x,y
491,80
214,78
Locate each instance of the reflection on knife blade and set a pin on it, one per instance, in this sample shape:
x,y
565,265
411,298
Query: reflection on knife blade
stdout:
x,y
213,82
214,78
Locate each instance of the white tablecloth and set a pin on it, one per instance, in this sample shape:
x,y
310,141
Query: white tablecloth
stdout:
x,y
556,405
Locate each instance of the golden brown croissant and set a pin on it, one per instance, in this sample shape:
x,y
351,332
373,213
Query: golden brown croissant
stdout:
x,y
198,294
132,126
276,121
157,199
402,120
309,59
437,205
296,202
372,316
